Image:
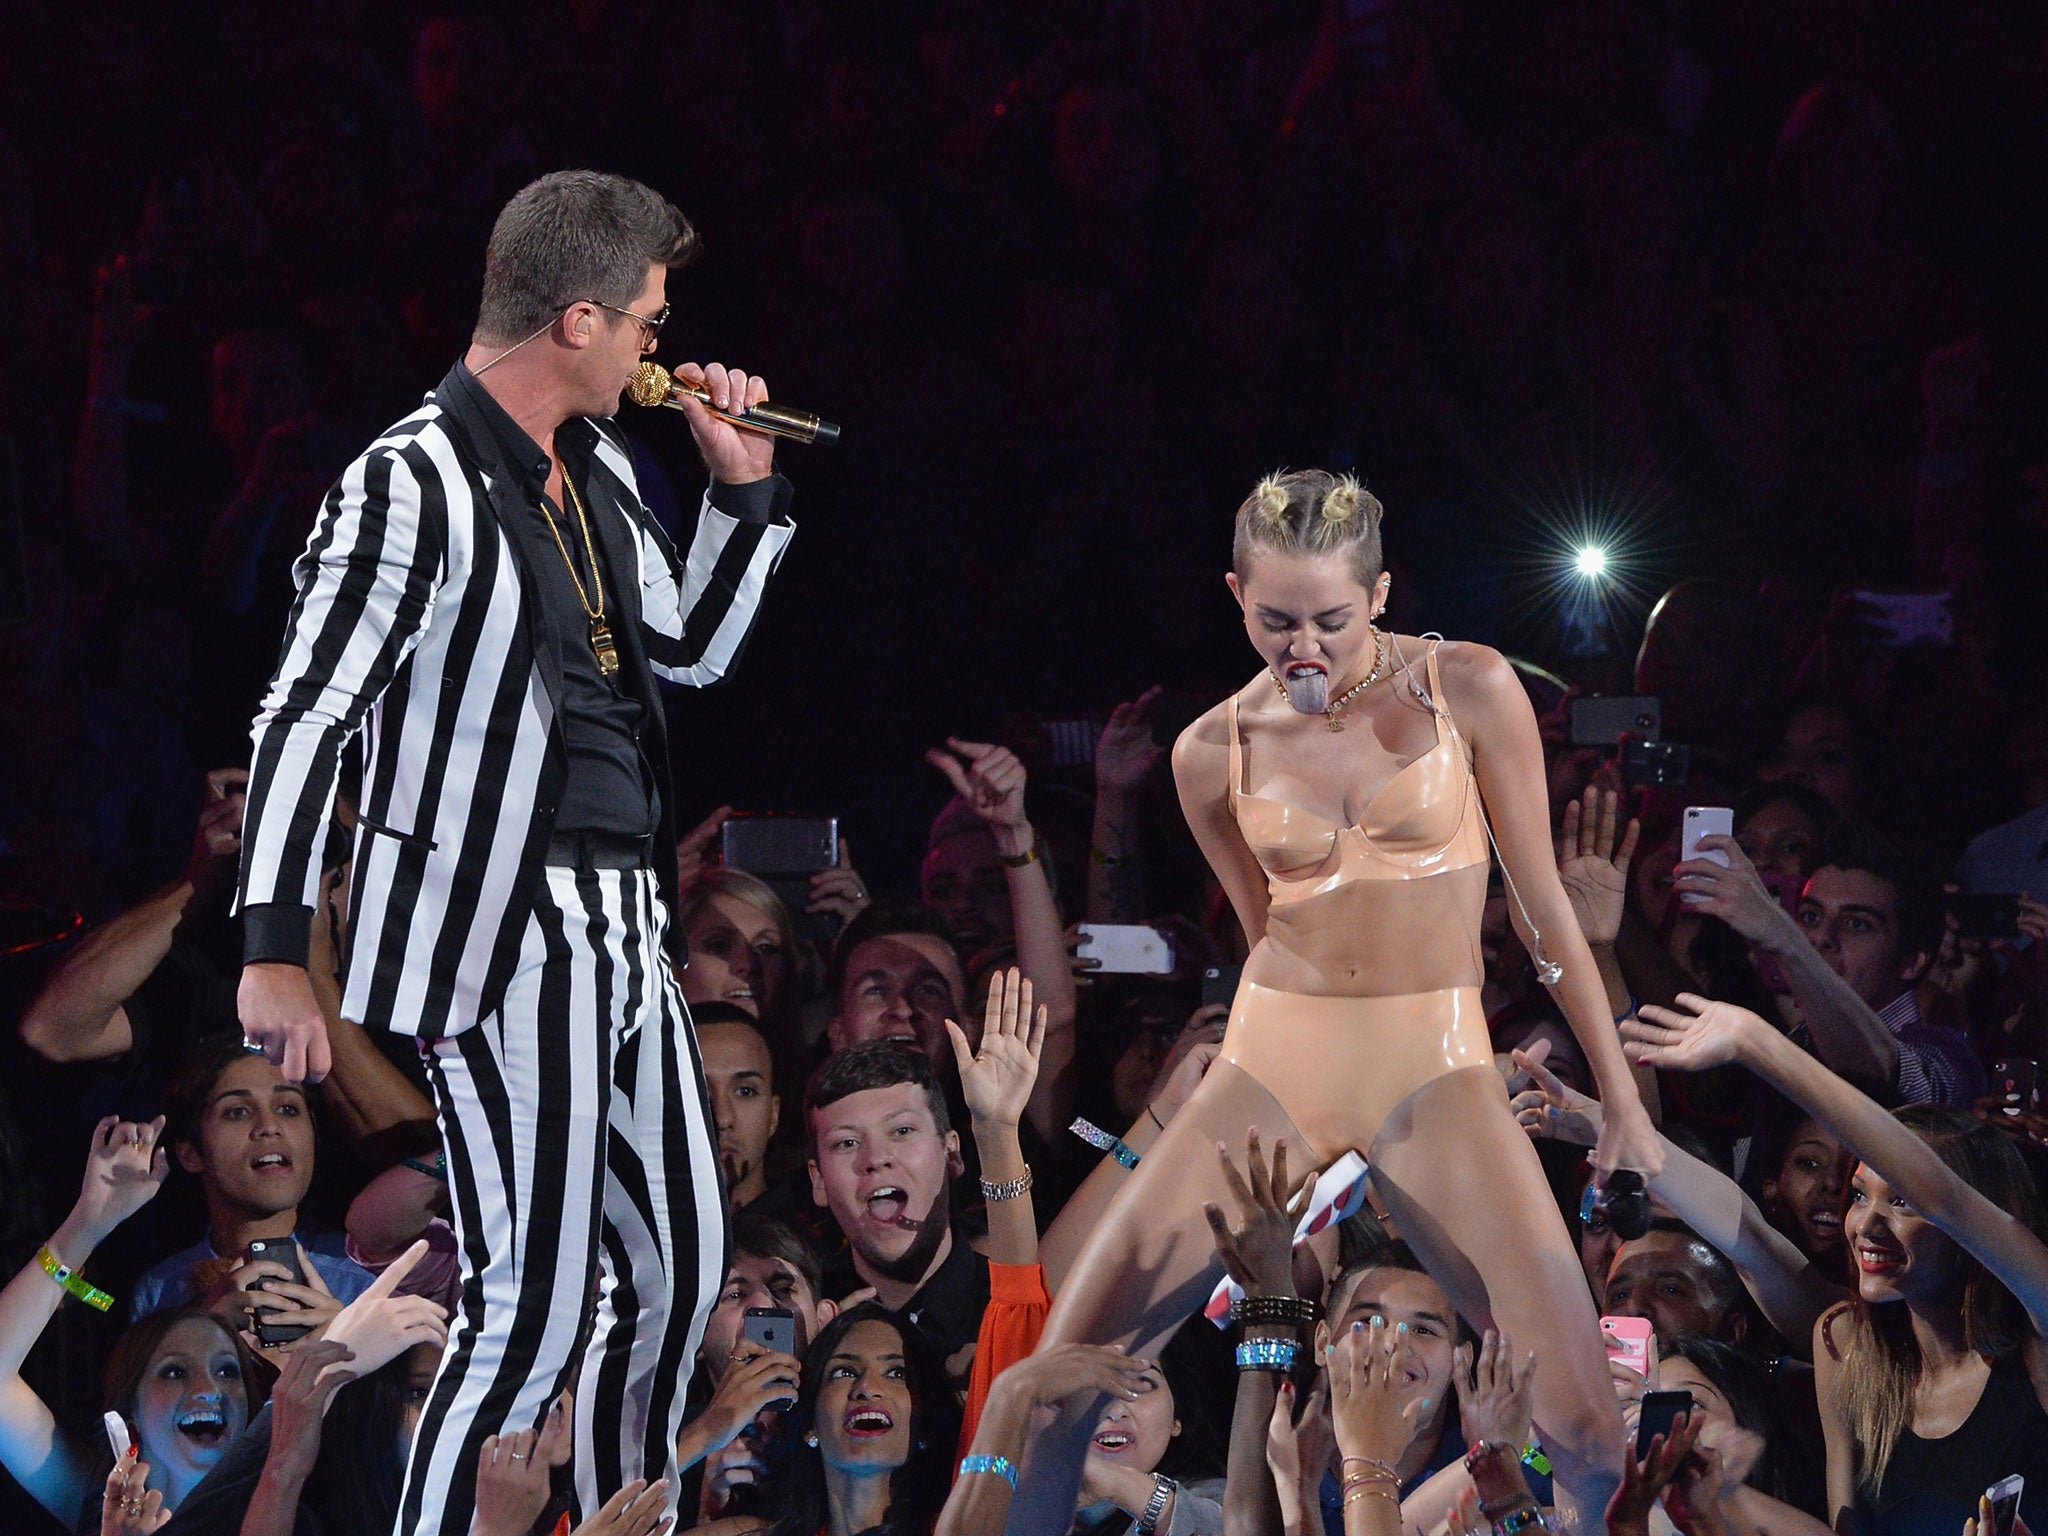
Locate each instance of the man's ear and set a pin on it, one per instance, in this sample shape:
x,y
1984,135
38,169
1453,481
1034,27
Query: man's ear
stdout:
x,y
817,1184
189,1157
835,1033
1322,1337
1916,965
774,1114
956,1165
827,1310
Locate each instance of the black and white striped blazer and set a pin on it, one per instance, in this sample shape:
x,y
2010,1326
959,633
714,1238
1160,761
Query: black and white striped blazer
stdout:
x,y
418,624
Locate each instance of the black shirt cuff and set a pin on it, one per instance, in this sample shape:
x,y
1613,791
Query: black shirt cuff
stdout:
x,y
758,501
277,931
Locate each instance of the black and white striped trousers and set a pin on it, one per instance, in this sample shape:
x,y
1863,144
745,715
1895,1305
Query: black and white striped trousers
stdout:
x,y
580,1156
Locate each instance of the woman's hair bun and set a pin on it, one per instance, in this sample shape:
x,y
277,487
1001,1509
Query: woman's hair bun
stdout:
x,y
1271,497
1340,504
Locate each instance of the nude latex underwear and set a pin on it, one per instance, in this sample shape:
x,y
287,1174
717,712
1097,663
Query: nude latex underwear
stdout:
x,y
1403,885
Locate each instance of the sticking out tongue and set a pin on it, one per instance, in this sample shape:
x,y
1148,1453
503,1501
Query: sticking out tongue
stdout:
x,y
1308,689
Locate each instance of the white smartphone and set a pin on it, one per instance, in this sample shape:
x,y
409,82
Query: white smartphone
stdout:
x,y
1704,821
117,1433
2005,1503
1127,949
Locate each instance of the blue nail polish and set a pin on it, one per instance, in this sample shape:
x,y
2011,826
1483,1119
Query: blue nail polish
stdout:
x,y
1400,1327
1358,1327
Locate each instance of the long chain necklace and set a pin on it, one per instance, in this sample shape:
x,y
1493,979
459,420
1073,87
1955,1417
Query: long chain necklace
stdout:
x,y
600,632
1334,709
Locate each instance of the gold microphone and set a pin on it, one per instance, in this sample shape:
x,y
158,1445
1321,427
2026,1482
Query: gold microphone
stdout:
x,y
654,385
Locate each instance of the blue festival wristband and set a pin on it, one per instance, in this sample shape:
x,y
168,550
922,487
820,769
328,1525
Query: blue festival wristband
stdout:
x,y
1001,1466
1267,1355
1102,1141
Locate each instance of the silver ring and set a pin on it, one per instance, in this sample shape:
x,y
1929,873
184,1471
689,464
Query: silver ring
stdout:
x,y
516,1456
251,1046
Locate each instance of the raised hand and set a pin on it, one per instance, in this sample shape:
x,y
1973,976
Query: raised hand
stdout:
x,y
1125,753
989,778
693,848
1710,1034
1549,1110
750,1384
1593,868
839,891
380,1327
512,1474
1366,1381
1735,893
312,1374
734,455
130,1507
219,835
1258,1247
1199,1043
1642,1482
123,1172
997,1076
1052,1375
1496,1396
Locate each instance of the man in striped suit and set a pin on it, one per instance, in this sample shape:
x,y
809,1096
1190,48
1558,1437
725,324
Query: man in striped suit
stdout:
x,y
487,602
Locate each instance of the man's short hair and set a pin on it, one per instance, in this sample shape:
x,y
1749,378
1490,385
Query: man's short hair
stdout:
x,y
872,1064
763,1237
1724,1285
879,921
191,1087
1858,845
575,235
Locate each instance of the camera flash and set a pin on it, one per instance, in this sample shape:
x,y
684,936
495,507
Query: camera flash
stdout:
x,y
1590,561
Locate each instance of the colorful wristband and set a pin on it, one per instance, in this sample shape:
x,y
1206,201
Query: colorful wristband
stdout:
x,y
1001,1466
1534,1459
1268,1355
73,1281
1521,1520
1102,1141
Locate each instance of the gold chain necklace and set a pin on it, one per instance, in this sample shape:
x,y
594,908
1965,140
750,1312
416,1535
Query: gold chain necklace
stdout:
x,y
600,632
1335,708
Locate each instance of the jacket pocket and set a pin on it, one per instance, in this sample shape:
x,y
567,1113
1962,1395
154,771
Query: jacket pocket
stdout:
x,y
392,832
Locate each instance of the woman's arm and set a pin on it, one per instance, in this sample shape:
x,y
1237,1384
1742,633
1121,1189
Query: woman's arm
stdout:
x,y
1715,1033
1125,757
1507,756
1201,772
1834,1418
123,1172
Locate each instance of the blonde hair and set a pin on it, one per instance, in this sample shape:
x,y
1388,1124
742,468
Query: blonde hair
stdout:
x,y
1311,512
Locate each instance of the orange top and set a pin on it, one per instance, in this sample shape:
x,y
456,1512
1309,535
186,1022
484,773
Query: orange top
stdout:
x,y
1017,1305
1424,821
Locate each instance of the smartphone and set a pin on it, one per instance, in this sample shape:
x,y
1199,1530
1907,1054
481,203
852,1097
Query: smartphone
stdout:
x,y
117,1433
1660,1411
278,1250
1985,914
1127,949
1219,985
1072,742
1910,618
2005,1503
773,1328
1704,821
1655,762
1633,1342
771,844
2015,1082
1602,722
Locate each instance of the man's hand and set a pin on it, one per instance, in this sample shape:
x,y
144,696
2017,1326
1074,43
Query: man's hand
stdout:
x,y
219,835
1258,1249
1125,753
1496,1397
1711,1035
1366,1382
279,1012
635,1510
1628,1512
1199,1043
1736,894
693,850
997,1076
989,778
1593,868
734,455
839,891
311,1376
750,1383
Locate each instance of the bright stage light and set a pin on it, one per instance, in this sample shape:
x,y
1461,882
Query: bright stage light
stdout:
x,y
1590,561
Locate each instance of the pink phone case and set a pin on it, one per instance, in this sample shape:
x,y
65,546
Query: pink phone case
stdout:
x,y
1632,1341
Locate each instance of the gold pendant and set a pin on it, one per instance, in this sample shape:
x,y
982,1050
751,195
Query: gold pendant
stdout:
x,y
601,642
1334,721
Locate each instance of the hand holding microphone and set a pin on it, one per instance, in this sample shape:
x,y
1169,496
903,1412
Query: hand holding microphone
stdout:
x,y
716,394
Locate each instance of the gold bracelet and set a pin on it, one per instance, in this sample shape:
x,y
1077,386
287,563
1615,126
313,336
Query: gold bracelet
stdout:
x,y
1372,1461
1370,1493
1020,860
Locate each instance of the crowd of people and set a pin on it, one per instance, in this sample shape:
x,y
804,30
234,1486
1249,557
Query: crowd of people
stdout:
x,y
1740,295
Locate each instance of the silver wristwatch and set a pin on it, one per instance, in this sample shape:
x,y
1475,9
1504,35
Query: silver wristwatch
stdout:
x,y
1162,1490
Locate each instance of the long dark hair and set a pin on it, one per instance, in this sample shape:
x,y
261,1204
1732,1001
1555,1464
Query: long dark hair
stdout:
x,y
917,1489
356,1483
1747,1386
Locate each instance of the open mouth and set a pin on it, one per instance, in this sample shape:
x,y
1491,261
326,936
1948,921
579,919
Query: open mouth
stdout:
x,y
1825,1226
1112,1442
1308,686
864,1423
206,1428
887,1204
271,1162
739,994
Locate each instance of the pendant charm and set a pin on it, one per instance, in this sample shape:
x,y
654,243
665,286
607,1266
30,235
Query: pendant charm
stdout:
x,y
607,652
1334,721
1550,973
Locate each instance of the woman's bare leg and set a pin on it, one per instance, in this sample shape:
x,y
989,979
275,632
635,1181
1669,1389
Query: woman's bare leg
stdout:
x,y
1150,1264
1466,1191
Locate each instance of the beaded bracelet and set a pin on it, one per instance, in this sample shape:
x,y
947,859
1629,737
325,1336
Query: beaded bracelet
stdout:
x,y
1102,1141
1009,1189
73,1281
1268,1355
1001,1466
1275,1309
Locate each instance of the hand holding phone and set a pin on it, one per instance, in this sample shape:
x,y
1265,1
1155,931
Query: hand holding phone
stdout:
x,y
1704,821
1129,949
1631,1341
2004,1498
1661,1410
282,1251
117,1433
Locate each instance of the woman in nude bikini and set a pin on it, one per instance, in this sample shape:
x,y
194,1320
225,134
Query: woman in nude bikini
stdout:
x,y
1345,798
